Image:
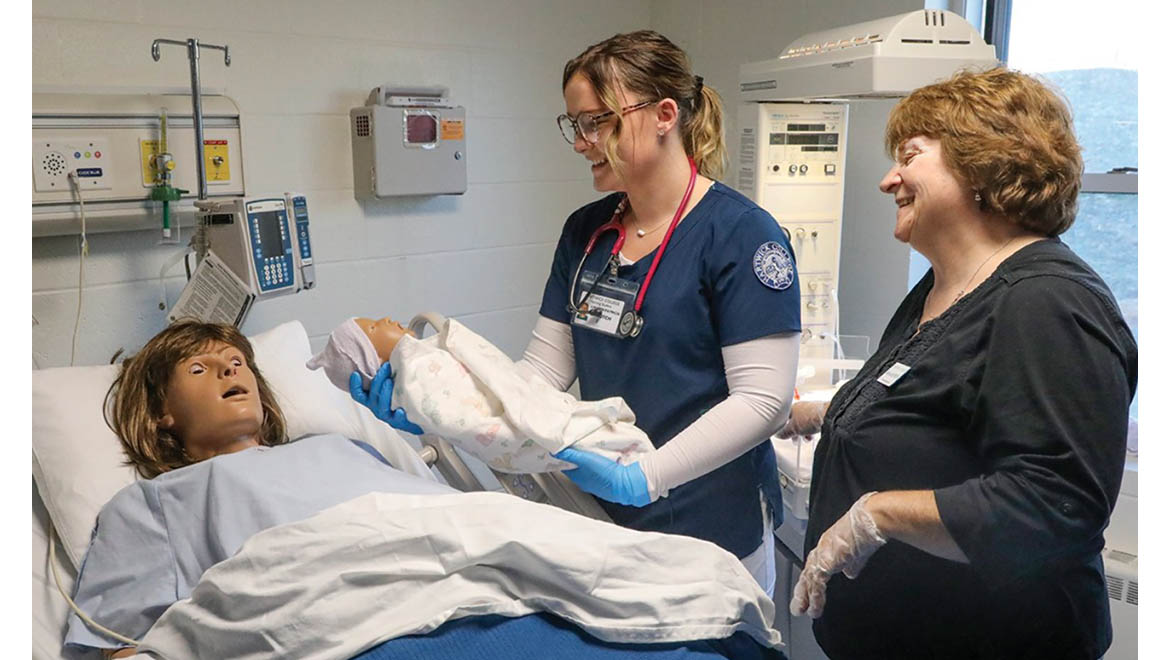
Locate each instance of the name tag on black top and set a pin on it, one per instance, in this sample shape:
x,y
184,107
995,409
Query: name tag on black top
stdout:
x,y
893,374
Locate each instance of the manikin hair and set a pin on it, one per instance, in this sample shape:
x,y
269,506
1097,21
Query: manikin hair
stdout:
x,y
135,401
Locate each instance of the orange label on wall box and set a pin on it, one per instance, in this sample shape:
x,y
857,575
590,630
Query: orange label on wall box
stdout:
x,y
451,129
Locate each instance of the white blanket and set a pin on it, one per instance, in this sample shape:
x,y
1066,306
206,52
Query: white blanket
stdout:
x,y
458,386
382,565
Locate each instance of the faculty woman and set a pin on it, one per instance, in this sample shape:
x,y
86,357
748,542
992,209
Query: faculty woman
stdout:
x,y
965,475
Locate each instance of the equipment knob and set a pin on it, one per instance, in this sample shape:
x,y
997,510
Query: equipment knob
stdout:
x,y
792,169
804,169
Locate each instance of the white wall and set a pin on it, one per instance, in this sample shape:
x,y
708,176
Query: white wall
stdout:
x,y
297,68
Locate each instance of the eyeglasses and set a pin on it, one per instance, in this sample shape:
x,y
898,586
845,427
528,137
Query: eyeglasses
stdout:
x,y
586,124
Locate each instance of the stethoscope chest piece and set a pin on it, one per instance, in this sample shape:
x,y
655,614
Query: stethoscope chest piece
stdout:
x,y
630,325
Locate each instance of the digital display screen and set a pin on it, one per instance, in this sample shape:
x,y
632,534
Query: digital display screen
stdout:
x,y
269,223
813,138
806,127
421,129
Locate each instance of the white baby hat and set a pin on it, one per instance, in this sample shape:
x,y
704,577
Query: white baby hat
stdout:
x,y
348,350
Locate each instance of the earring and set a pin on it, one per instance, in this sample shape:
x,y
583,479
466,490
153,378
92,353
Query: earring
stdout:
x,y
661,132
978,197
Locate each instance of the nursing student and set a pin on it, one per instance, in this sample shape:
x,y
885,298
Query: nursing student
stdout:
x,y
674,292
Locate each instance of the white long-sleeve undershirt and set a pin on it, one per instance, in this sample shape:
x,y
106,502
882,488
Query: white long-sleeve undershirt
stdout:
x,y
550,353
761,376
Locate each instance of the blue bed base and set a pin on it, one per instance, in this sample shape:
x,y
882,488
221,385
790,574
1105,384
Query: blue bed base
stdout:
x,y
541,635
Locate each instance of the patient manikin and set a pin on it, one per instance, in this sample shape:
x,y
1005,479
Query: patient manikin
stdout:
x,y
460,387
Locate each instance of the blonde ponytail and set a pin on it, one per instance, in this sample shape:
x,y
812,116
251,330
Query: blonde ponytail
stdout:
x,y
703,134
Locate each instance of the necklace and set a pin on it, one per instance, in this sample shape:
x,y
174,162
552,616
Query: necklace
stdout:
x,y
981,265
642,232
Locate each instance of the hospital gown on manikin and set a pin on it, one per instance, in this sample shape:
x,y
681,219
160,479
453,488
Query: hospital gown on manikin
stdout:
x,y
460,387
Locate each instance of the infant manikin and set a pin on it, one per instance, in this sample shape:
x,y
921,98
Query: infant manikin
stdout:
x,y
460,387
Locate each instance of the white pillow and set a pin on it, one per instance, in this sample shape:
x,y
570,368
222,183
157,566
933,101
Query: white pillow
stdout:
x,y
78,461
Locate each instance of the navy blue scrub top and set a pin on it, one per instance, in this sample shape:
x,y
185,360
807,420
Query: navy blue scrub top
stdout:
x,y
705,295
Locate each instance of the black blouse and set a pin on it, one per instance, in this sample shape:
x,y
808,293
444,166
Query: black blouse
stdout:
x,y
1014,411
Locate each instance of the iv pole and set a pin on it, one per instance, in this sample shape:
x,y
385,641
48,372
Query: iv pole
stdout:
x,y
193,47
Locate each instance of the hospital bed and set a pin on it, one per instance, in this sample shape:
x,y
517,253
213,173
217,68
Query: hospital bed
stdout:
x,y
77,467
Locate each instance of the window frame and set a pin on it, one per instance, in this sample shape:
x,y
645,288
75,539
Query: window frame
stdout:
x,y
997,19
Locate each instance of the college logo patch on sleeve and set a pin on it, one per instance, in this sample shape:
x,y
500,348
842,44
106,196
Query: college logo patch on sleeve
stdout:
x,y
773,266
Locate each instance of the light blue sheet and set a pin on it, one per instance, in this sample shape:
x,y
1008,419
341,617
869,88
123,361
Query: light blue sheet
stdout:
x,y
156,537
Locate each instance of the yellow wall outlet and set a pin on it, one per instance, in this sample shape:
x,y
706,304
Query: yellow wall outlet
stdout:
x,y
215,161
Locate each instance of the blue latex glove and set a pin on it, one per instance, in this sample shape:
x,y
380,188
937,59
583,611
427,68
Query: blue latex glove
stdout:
x,y
378,399
609,480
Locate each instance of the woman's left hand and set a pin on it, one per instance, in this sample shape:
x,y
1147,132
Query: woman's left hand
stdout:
x,y
609,480
843,548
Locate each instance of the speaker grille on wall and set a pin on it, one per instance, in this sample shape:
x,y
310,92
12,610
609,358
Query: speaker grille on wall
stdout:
x,y
362,125
54,164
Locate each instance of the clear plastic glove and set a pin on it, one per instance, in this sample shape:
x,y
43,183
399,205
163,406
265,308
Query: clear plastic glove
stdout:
x,y
843,548
378,399
609,480
805,419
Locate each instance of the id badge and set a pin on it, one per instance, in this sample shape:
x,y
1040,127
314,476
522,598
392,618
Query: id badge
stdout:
x,y
609,307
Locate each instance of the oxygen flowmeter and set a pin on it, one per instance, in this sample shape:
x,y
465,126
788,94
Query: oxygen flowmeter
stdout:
x,y
162,164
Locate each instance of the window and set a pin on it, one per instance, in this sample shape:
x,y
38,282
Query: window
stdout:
x,y
1091,56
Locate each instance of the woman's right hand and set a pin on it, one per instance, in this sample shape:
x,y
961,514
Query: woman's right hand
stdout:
x,y
378,399
805,419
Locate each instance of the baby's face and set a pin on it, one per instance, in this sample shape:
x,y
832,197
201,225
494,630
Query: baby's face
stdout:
x,y
384,334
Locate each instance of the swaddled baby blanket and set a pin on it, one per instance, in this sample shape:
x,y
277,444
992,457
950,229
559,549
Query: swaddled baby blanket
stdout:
x,y
460,387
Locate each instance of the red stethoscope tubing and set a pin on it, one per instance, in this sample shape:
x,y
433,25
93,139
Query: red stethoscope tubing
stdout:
x,y
682,206
616,225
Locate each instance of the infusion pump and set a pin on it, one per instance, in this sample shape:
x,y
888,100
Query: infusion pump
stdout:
x,y
248,249
792,163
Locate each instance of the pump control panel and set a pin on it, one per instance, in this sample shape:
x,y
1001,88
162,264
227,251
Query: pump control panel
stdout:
x,y
792,163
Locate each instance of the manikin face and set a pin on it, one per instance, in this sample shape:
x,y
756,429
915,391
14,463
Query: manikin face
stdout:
x,y
638,133
924,189
213,403
384,333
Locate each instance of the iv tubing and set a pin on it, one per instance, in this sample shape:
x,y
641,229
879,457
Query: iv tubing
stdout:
x,y
84,617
